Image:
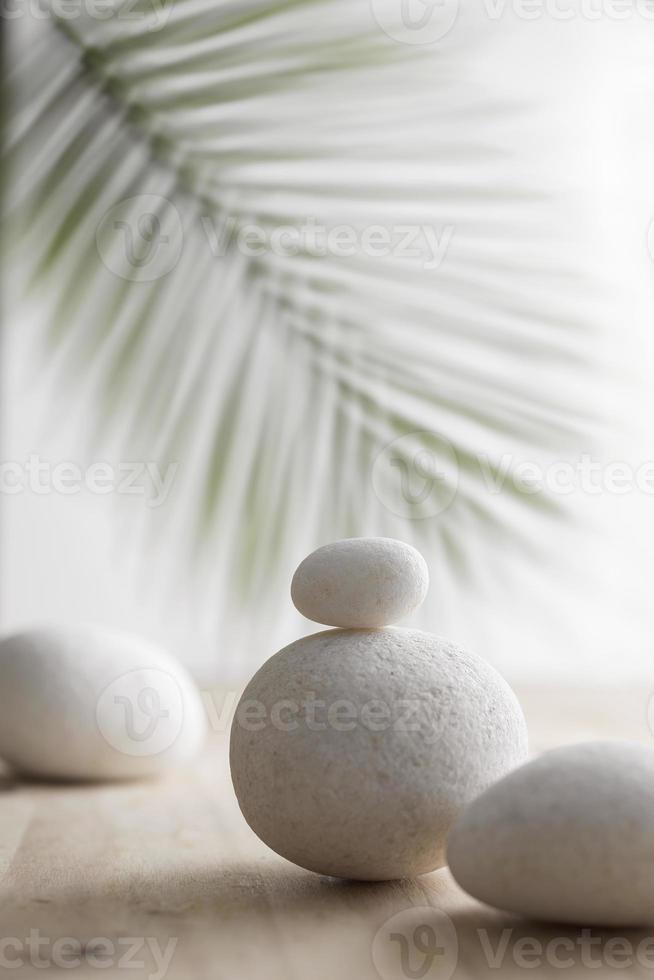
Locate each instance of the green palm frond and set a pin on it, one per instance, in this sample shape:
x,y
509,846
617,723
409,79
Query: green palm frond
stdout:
x,y
278,379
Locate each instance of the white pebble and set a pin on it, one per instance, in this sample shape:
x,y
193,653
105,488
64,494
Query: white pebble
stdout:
x,y
88,703
568,837
353,751
360,583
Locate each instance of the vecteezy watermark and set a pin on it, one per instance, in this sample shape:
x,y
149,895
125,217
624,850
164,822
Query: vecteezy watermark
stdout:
x,y
141,713
582,948
150,16
401,716
567,10
425,244
147,479
406,716
650,239
428,21
586,474
143,953
142,238
415,21
419,943
422,942
417,475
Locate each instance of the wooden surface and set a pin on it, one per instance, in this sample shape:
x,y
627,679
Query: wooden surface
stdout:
x,y
169,869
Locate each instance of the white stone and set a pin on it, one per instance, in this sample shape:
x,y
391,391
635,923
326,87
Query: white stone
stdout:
x,y
360,583
353,751
568,837
87,703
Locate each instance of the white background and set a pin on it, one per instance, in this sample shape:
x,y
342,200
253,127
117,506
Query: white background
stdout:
x,y
584,615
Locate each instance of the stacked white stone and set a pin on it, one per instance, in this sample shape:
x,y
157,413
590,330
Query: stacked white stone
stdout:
x,y
355,749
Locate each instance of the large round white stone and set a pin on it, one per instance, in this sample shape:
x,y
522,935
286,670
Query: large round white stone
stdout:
x,y
568,837
353,751
360,583
88,703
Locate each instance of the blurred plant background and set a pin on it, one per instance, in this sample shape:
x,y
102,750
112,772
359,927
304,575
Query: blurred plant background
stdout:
x,y
304,397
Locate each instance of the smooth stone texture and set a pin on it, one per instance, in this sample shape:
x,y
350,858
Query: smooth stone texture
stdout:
x,y
404,731
360,583
87,703
568,838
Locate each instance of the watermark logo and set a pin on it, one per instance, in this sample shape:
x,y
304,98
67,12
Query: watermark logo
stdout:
x,y
141,713
150,15
418,943
421,943
650,714
423,245
416,476
650,239
149,479
415,21
563,11
40,952
399,717
141,238
507,949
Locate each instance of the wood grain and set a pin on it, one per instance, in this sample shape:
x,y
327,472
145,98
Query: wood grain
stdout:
x,y
171,865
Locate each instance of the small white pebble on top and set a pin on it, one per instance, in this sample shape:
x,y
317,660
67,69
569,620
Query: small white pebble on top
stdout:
x,y
360,583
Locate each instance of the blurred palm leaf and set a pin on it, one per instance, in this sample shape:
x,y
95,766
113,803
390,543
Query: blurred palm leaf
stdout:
x,y
277,380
